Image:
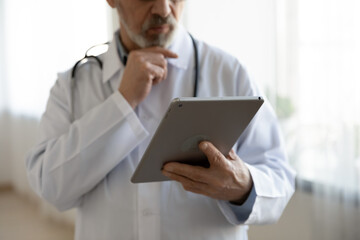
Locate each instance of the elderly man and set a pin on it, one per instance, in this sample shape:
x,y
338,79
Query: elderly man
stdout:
x,y
99,121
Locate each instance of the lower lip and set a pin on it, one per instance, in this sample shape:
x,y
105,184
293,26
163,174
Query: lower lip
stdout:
x,y
159,30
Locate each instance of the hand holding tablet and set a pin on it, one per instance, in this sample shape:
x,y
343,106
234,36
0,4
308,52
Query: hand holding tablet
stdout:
x,y
227,177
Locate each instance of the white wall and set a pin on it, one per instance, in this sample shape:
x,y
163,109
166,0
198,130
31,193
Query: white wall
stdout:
x,y
5,169
2,59
246,29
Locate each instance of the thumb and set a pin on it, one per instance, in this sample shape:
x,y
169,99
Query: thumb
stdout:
x,y
214,156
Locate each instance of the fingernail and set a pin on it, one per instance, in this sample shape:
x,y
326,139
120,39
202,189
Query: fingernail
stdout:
x,y
203,145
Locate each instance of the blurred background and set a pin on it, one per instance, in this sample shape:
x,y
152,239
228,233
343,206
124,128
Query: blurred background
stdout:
x,y
304,54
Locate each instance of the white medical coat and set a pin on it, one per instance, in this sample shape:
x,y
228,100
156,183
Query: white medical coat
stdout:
x,y
88,164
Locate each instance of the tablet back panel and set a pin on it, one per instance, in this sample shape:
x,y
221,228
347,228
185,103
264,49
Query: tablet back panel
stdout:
x,y
189,121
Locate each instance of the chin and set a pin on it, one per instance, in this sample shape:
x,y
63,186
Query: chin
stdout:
x,y
162,40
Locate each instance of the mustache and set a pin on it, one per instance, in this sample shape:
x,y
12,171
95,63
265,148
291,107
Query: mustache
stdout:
x,y
157,20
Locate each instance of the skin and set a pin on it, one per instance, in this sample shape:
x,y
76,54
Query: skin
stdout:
x,y
228,178
145,67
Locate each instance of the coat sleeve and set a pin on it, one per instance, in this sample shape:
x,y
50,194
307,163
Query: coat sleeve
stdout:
x,y
72,158
262,149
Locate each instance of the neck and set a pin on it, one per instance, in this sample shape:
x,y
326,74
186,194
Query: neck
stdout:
x,y
128,44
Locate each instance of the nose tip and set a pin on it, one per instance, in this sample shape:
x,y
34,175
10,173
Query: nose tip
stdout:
x,y
162,8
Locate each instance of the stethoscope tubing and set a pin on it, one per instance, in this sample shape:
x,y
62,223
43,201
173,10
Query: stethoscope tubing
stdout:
x,y
97,59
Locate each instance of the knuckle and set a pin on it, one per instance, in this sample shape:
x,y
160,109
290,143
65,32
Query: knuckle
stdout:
x,y
141,58
218,156
135,55
164,63
163,72
146,65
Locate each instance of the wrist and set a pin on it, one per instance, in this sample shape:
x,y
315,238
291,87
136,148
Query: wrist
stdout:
x,y
245,195
131,102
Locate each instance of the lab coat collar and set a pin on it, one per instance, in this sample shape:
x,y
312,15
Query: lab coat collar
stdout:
x,y
111,62
181,46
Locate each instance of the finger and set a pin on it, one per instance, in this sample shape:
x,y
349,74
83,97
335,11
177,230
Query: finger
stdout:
x,y
195,173
165,52
156,59
157,74
160,62
232,155
214,156
165,73
188,184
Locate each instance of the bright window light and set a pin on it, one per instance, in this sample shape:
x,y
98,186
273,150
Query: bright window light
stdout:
x,y
42,38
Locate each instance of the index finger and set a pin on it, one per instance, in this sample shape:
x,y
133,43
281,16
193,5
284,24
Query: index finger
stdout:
x,y
195,173
166,52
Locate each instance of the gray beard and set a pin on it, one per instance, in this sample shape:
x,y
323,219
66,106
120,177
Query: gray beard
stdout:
x,y
161,40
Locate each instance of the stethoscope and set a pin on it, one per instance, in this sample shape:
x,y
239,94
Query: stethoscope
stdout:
x,y
97,59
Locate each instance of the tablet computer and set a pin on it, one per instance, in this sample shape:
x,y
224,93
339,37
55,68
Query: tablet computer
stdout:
x,y
187,122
